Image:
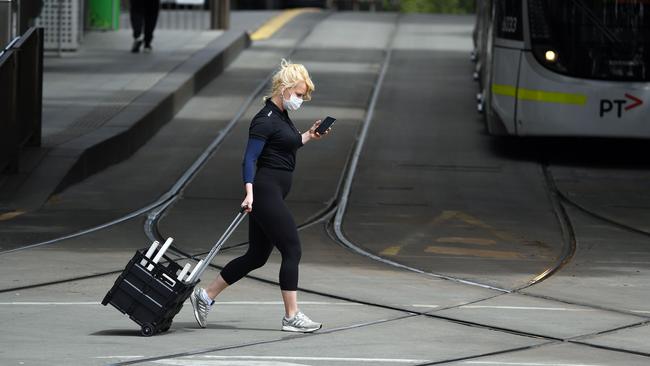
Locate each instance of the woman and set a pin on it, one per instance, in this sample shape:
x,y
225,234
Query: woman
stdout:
x,y
273,142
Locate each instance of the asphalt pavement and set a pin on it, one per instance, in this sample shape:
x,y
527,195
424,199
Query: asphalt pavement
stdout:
x,y
476,250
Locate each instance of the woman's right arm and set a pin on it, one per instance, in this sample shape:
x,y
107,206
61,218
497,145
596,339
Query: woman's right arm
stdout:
x,y
253,151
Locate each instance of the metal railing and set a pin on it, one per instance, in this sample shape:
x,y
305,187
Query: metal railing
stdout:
x,y
21,96
30,86
185,14
16,17
8,83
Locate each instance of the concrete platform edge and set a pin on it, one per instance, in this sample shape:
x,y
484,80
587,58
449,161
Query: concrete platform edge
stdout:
x,y
154,108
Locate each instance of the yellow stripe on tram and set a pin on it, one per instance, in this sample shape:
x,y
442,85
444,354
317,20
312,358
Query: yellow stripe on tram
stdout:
x,y
539,95
507,90
279,21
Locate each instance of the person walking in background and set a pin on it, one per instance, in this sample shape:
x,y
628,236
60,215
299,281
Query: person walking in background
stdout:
x,y
267,172
144,15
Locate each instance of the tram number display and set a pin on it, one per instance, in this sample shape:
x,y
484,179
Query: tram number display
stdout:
x,y
508,14
509,25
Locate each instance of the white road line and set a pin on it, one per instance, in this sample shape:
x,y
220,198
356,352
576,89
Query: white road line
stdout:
x,y
523,308
288,358
425,306
641,311
51,303
324,303
500,363
209,360
281,303
177,362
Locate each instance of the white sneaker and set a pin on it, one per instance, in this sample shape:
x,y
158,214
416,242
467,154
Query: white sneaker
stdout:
x,y
300,323
201,308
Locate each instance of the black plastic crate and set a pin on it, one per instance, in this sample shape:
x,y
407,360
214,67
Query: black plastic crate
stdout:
x,y
150,298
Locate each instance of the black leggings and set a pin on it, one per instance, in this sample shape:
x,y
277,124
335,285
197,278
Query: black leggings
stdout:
x,y
270,223
144,13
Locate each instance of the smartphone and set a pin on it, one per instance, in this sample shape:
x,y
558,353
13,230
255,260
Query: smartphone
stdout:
x,y
327,123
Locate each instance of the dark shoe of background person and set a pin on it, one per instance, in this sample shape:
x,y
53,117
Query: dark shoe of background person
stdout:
x,y
148,48
137,43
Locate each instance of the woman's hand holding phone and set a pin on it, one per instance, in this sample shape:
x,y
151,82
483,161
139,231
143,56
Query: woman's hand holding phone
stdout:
x,y
318,130
321,128
324,127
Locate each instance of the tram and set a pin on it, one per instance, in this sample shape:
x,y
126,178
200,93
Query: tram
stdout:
x,y
564,67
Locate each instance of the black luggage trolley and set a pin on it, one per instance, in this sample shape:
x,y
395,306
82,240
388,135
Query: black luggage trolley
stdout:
x,y
151,294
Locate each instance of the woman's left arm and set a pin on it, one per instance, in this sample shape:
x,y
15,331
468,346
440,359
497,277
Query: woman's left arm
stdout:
x,y
311,134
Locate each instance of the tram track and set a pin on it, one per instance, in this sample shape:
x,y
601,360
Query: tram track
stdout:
x,y
332,218
336,210
621,225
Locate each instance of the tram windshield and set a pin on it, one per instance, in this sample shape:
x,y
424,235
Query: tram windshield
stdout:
x,y
594,39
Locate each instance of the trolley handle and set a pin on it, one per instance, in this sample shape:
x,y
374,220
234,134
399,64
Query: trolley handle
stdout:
x,y
215,249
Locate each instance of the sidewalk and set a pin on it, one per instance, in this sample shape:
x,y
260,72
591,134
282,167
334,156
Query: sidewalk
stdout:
x,y
101,103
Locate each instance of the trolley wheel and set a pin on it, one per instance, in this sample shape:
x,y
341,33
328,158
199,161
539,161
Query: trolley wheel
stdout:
x,y
147,330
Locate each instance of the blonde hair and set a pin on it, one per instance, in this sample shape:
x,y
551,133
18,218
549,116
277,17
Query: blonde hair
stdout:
x,y
288,76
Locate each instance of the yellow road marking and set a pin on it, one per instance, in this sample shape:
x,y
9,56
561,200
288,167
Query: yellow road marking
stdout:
x,y
54,199
483,253
279,21
469,220
539,95
462,240
10,215
473,221
392,251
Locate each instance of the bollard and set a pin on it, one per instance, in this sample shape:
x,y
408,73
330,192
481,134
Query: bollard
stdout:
x,y
219,14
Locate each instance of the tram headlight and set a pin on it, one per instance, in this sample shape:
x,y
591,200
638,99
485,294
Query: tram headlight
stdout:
x,y
550,56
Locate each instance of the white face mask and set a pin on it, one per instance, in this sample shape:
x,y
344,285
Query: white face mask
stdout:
x,y
293,103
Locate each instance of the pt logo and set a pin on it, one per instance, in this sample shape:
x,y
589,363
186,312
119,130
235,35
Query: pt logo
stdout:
x,y
619,105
